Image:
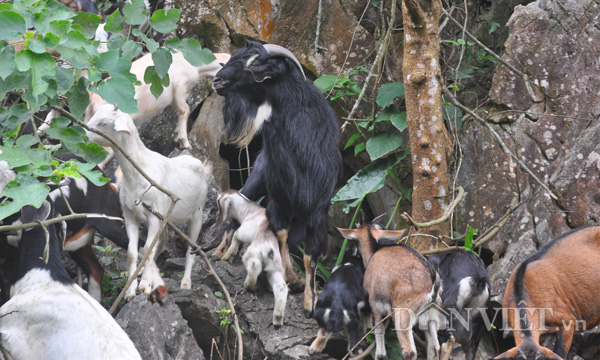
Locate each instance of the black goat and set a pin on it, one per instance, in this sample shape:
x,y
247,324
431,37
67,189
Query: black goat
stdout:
x,y
466,292
343,302
265,89
85,197
48,316
87,6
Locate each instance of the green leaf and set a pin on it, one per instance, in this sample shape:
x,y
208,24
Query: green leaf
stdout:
x,y
24,190
151,77
116,41
165,21
114,22
150,43
78,98
131,50
117,90
12,24
64,79
326,82
162,59
194,53
493,27
367,180
352,140
382,144
471,232
7,63
107,60
19,113
35,46
360,147
86,23
388,92
453,115
399,121
92,153
135,12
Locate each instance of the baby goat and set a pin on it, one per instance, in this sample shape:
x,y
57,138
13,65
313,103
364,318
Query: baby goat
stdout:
x,y
185,176
343,302
263,251
401,283
48,316
560,284
183,77
466,293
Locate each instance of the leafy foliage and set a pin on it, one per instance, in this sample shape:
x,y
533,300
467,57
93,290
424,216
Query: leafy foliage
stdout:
x,y
48,55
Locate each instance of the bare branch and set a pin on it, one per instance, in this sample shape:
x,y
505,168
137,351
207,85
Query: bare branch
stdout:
x,y
10,228
445,216
211,270
147,253
487,236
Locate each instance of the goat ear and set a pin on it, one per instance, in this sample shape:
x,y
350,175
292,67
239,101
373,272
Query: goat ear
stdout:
x,y
224,204
31,214
121,123
510,354
351,234
388,235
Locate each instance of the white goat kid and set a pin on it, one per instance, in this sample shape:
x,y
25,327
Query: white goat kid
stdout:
x,y
263,251
185,176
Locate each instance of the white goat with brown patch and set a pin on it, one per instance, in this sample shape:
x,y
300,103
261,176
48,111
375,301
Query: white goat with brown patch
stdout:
x,y
184,175
401,283
263,250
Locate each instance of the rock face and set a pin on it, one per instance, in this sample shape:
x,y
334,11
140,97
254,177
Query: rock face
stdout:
x,y
158,331
551,130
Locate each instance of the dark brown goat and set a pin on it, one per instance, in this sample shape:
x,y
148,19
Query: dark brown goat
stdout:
x,y
554,291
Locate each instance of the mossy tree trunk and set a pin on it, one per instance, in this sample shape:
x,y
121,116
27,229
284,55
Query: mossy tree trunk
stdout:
x,y
429,142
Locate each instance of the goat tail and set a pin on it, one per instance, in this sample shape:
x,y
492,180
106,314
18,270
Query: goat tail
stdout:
x,y
520,299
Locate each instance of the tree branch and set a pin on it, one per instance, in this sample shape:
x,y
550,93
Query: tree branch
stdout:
x,y
10,228
211,270
445,216
487,236
147,253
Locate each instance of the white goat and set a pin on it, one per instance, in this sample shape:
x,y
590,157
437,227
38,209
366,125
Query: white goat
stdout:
x,y
48,316
263,251
183,76
185,176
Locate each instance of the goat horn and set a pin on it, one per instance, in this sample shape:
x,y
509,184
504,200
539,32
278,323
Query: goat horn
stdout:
x,y
116,107
276,50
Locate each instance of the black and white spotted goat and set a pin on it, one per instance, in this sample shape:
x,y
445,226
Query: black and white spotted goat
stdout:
x,y
48,316
466,293
343,303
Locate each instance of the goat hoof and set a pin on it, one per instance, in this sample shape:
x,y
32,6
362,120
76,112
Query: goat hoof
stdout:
x,y
158,294
296,287
308,313
277,321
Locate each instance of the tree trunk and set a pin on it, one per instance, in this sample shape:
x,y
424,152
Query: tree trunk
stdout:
x,y
429,142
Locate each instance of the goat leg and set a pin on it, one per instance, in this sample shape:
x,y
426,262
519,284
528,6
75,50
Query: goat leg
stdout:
x,y
295,283
320,342
310,293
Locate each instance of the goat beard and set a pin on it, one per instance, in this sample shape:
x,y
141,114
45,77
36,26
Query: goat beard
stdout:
x,y
243,134
241,126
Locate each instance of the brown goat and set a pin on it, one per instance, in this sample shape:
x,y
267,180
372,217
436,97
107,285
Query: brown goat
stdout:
x,y
555,290
400,282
